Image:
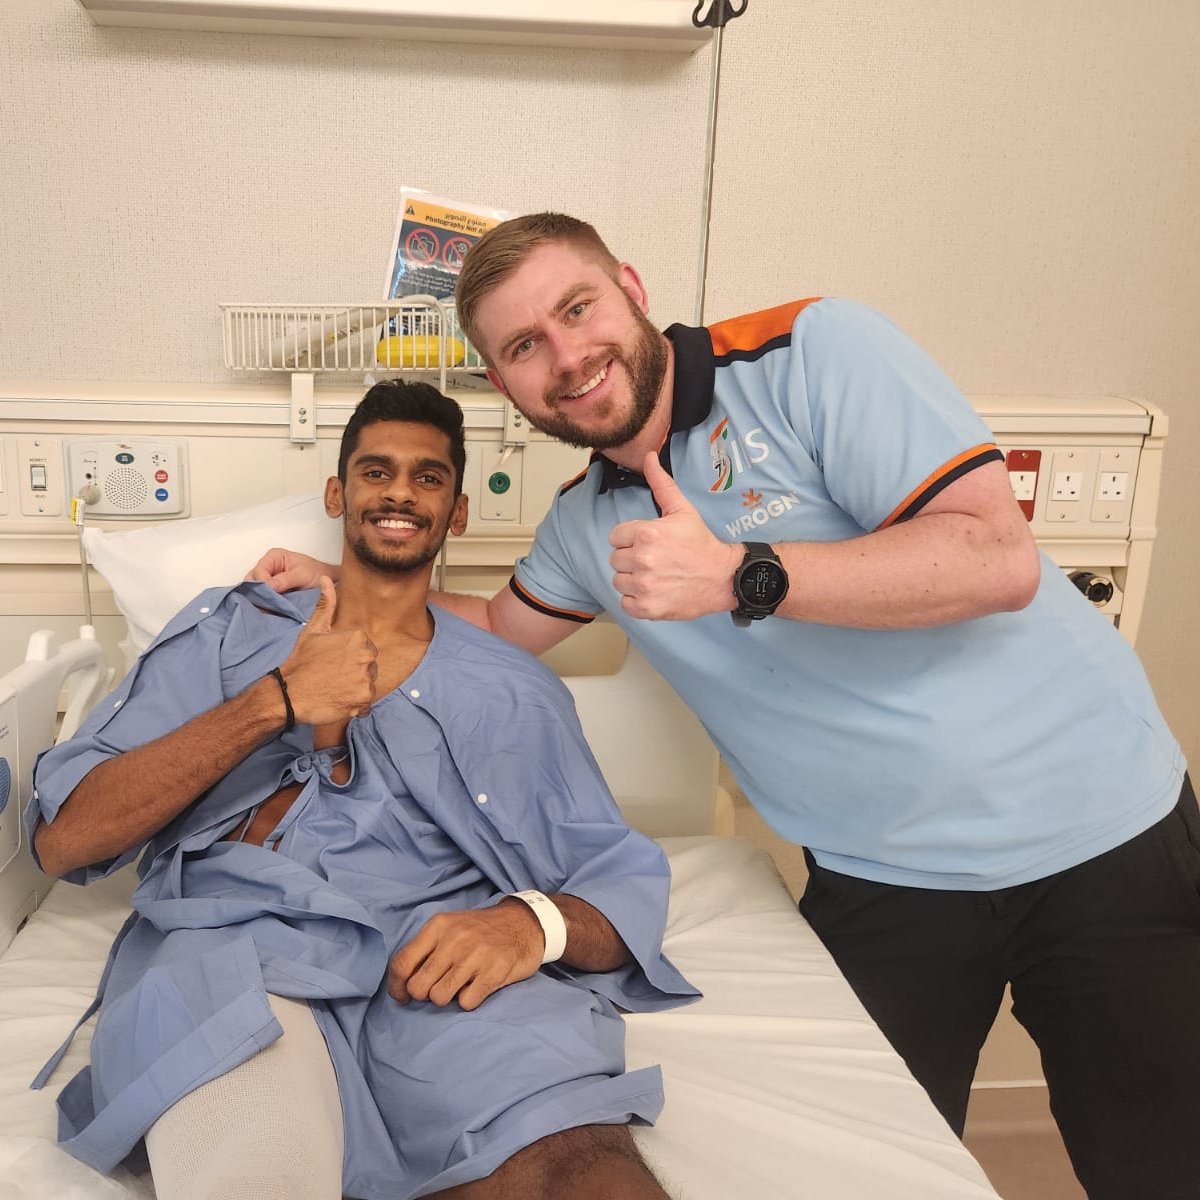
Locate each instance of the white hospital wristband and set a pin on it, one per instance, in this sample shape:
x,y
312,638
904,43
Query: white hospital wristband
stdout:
x,y
551,921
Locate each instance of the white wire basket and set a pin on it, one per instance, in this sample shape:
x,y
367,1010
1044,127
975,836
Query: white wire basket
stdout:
x,y
414,334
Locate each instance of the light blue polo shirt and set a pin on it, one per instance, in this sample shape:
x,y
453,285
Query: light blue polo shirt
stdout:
x,y
976,755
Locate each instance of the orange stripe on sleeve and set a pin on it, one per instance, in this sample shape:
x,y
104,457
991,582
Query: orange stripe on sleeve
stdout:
x,y
550,609
755,329
940,473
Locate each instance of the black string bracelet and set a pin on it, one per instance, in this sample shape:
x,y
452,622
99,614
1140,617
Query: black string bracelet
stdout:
x,y
287,700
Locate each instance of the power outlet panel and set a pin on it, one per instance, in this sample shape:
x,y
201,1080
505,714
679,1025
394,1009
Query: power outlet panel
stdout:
x,y
1023,483
1023,467
1067,485
1072,482
1087,489
1112,503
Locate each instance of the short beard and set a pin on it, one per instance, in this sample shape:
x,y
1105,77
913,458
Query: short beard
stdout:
x,y
646,366
400,562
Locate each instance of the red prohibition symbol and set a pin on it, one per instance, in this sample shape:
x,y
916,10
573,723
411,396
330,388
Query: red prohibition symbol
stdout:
x,y
422,245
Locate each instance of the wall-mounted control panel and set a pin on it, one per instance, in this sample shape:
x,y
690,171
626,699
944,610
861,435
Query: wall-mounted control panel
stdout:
x,y
138,477
1085,472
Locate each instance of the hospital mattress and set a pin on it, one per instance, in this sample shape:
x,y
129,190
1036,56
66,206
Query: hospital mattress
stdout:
x,y
777,1082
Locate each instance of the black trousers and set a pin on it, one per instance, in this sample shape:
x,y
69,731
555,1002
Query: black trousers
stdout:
x,y
1104,963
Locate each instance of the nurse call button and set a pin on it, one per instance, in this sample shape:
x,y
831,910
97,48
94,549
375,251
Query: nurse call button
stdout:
x,y
161,494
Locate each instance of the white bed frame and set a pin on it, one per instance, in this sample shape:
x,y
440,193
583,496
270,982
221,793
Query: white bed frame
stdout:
x,y
30,697
778,1084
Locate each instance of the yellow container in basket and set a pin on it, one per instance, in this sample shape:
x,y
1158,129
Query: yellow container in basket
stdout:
x,y
414,351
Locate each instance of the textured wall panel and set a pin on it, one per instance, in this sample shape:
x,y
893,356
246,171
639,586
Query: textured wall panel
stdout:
x,y
150,175
1015,185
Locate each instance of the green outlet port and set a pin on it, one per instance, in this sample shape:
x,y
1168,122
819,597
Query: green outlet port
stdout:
x,y
499,482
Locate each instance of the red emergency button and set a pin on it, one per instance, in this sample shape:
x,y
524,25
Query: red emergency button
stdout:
x,y
160,476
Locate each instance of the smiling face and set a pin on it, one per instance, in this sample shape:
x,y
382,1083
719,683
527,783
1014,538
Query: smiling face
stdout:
x,y
398,501
570,345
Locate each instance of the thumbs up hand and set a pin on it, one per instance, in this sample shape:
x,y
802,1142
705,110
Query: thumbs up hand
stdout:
x,y
330,673
671,568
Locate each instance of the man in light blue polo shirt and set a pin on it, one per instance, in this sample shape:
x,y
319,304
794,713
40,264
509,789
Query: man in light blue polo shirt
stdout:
x,y
802,524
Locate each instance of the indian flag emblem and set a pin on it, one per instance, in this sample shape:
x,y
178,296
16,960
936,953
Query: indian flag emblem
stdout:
x,y
720,459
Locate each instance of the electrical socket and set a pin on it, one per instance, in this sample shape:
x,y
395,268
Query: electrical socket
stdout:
x,y
1112,486
1023,484
1067,485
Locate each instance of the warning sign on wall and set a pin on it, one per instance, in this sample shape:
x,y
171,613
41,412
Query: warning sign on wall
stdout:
x,y
431,240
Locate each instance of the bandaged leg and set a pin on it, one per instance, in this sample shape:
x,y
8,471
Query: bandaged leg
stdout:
x,y
270,1129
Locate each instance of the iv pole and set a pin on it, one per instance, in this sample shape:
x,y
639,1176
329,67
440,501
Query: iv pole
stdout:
x,y
720,13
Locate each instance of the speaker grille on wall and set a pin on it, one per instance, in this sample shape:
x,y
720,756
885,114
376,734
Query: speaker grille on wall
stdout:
x,y
125,488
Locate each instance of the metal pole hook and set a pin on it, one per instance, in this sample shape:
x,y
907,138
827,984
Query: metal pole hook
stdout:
x,y
720,13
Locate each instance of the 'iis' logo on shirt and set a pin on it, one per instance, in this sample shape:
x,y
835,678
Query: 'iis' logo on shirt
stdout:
x,y
733,456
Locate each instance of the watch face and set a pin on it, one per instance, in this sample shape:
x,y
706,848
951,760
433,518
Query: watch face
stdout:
x,y
762,584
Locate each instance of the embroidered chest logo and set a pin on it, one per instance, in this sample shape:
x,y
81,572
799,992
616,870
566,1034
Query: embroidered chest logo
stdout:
x,y
734,456
720,458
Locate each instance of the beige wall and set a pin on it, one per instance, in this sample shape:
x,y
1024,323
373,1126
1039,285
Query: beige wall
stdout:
x,y
150,175
1017,186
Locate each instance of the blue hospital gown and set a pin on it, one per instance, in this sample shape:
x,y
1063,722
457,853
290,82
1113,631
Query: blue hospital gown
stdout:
x,y
469,781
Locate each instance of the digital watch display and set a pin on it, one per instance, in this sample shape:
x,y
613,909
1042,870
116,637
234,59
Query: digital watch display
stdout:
x,y
759,584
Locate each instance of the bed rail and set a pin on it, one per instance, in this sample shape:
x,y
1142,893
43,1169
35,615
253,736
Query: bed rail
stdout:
x,y
30,695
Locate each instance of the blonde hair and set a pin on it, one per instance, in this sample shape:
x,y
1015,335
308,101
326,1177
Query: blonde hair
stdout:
x,y
503,249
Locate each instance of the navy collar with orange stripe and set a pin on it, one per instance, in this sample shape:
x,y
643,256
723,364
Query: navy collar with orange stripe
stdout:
x,y
691,401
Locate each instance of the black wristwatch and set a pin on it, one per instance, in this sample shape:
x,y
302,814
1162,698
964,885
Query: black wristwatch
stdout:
x,y
759,584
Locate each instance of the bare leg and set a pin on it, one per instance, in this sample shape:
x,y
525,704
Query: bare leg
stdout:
x,y
593,1162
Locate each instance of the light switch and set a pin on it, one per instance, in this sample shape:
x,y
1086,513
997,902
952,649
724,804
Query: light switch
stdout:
x,y
40,476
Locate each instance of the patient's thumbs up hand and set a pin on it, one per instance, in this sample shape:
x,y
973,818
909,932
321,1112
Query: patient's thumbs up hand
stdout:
x,y
330,673
321,620
671,567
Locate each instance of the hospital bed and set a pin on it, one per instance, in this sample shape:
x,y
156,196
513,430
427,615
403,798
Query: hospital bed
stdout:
x,y
777,1082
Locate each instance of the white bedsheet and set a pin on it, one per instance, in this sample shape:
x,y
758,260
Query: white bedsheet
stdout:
x,y
777,1082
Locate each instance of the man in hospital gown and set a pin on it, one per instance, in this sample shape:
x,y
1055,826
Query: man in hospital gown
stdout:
x,y
339,793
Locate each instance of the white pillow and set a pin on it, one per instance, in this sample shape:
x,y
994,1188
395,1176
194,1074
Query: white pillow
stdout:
x,y
154,571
